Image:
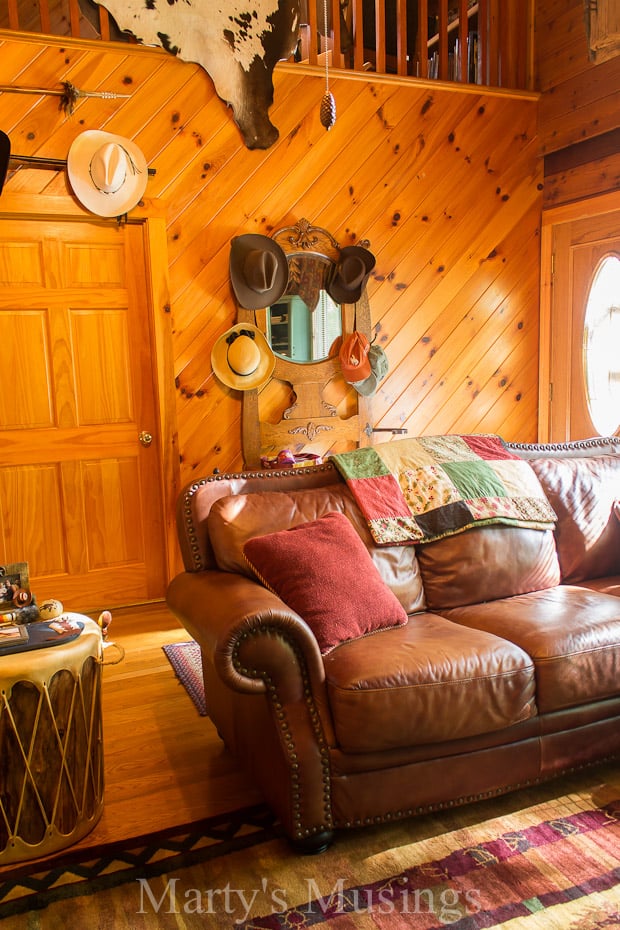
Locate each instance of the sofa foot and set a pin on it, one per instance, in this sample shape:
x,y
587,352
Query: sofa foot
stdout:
x,y
313,845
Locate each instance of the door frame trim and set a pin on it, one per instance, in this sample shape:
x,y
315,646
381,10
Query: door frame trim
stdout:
x,y
552,219
150,214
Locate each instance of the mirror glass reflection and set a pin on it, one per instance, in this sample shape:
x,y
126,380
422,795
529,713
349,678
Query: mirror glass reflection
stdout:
x,y
304,324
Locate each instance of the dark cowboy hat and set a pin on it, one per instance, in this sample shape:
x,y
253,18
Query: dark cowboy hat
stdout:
x,y
258,270
354,265
5,154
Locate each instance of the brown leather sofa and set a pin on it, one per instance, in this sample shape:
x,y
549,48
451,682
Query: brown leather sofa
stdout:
x,y
506,673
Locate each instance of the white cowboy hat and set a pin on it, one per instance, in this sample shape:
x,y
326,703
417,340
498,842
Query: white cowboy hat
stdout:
x,y
242,358
108,173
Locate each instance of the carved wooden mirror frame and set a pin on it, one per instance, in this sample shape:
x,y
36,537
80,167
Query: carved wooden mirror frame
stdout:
x,y
306,406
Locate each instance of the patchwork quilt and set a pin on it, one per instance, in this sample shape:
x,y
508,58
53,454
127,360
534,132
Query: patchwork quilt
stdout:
x,y
423,489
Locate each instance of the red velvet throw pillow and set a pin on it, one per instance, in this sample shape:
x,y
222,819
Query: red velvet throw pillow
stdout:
x,y
324,572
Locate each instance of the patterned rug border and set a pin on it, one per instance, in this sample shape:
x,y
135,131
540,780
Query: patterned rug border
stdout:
x,y
33,885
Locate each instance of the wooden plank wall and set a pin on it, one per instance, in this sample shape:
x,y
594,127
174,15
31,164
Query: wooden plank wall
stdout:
x,y
445,183
579,118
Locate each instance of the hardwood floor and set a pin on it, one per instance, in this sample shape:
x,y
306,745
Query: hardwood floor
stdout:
x,y
164,764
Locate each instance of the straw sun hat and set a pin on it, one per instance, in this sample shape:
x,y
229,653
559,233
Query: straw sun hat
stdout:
x,y
108,173
242,358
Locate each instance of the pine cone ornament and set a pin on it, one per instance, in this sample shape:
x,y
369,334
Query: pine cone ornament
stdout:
x,y
328,110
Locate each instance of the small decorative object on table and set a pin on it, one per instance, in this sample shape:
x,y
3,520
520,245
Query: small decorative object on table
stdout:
x,y
287,459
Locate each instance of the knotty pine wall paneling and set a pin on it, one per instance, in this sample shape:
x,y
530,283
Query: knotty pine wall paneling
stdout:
x,y
579,115
444,181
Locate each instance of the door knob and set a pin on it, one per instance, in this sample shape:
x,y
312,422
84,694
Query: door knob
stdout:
x,y
145,438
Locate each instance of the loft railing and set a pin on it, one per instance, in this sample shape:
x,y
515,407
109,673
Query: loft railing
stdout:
x,y
471,41
486,42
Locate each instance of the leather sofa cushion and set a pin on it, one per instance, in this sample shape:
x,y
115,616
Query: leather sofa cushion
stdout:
x,y
583,492
487,563
426,682
608,585
235,519
571,633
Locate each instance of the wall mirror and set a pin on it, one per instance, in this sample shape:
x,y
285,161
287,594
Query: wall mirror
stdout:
x,y
306,406
305,325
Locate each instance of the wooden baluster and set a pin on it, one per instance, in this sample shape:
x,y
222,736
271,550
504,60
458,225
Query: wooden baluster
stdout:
x,y
421,69
380,36
510,43
358,36
443,40
402,64
528,78
13,15
494,45
74,18
460,70
44,13
104,24
483,41
312,24
337,59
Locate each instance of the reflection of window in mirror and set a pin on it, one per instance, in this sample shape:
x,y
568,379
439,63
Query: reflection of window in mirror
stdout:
x,y
300,334
305,323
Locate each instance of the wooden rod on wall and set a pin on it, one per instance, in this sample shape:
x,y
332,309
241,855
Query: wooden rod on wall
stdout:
x,y
53,164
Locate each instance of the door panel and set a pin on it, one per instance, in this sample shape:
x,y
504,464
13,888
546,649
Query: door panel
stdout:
x,y
80,498
578,247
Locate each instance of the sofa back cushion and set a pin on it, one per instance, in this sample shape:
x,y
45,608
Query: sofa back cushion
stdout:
x,y
486,564
236,518
584,493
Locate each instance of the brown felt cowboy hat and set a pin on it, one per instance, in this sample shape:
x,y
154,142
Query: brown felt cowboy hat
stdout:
x,y
242,358
350,274
5,154
258,270
108,173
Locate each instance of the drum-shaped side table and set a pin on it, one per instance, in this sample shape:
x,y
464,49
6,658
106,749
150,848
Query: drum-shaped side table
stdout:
x,y
51,746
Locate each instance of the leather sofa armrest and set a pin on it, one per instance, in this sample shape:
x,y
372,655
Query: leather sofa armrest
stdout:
x,y
258,646
250,635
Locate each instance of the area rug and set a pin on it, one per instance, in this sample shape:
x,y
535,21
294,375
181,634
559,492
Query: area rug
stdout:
x,y
186,661
541,858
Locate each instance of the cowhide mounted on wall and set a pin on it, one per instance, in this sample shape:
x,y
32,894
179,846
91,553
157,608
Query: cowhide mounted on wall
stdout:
x,y
237,42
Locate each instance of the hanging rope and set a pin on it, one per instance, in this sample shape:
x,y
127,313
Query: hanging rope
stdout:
x,y
328,104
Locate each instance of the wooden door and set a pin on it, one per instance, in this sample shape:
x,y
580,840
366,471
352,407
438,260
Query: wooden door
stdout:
x,y
80,496
578,247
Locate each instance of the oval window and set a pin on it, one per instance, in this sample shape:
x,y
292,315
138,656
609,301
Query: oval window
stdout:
x,y
601,344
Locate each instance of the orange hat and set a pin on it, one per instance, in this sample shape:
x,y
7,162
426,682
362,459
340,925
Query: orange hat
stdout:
x,y
354,360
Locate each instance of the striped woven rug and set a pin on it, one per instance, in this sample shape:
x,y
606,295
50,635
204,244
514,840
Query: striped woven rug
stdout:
x,y
186,661
545,858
